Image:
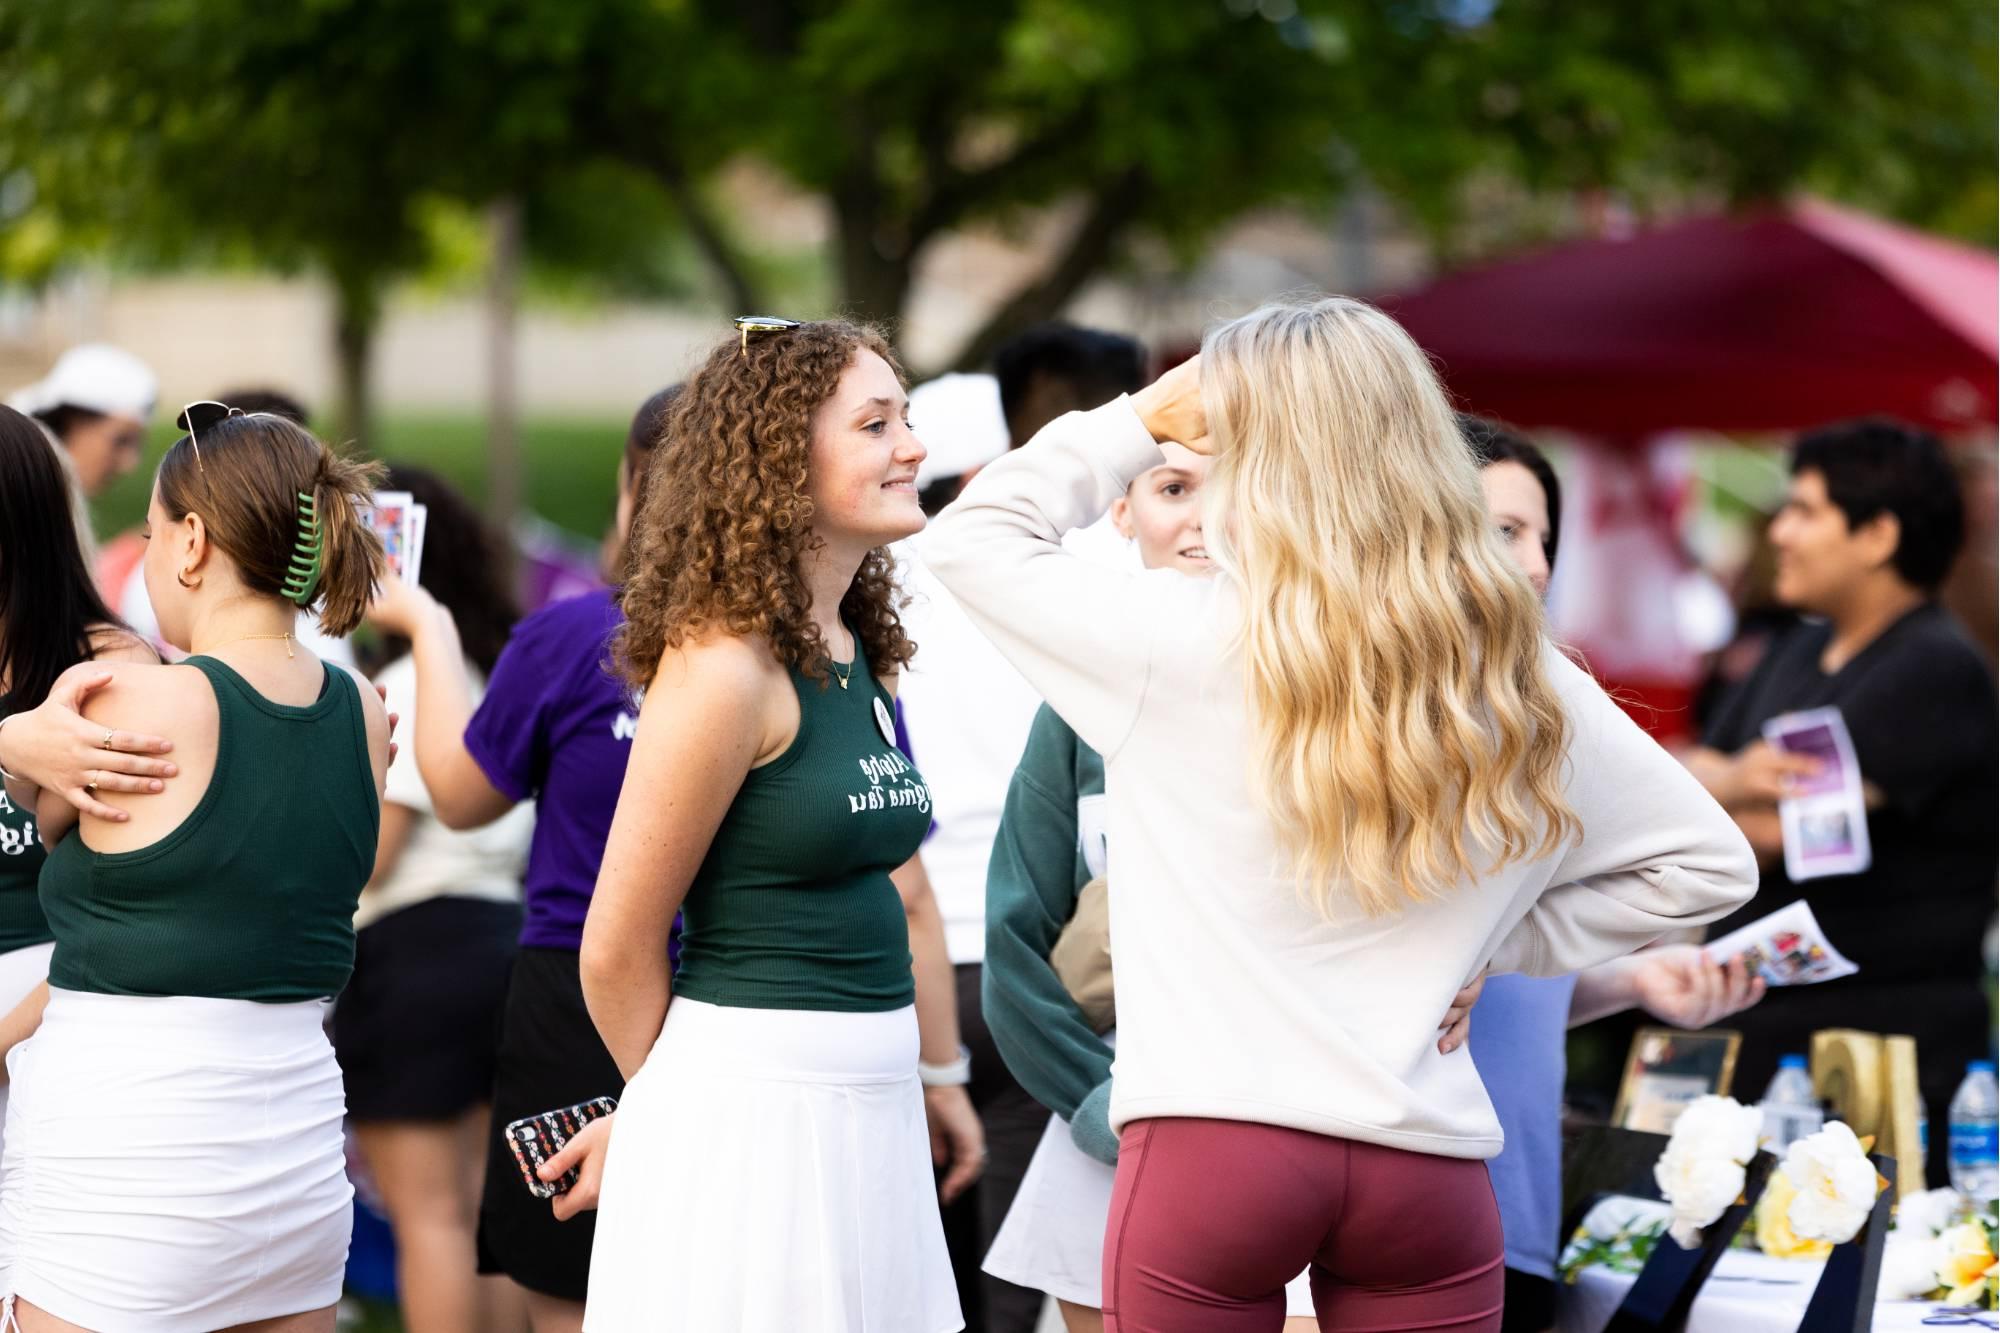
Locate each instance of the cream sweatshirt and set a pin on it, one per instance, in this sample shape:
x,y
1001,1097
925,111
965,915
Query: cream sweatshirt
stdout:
x,y
1236,999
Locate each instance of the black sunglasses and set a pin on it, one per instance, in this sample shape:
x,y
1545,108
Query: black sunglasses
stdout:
x,y
205,414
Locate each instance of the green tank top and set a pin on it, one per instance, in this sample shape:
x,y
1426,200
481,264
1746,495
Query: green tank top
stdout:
x,y
793,907
252,896
21,920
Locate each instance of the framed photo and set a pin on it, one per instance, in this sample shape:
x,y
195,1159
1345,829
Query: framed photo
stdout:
x,y
1666,1069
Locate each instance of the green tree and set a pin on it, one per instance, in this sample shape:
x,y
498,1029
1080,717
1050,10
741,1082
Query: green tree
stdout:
x,y
1169,118
289,135
312,133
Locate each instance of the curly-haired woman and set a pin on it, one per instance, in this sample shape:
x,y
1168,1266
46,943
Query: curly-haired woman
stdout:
x,y
1345,772
769,1167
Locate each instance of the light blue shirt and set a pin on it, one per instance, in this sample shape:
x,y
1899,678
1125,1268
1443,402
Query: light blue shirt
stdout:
x,y
1519,1029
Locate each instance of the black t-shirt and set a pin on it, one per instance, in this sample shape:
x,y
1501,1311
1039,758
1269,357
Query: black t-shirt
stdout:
x,y
1920,705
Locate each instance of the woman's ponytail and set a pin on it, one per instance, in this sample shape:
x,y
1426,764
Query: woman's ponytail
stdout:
x,y
351,556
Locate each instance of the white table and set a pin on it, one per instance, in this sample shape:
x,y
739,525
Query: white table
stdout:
x,y
1747,1293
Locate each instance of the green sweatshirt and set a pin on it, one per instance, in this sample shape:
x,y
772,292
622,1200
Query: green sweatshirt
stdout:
x,y
1041,861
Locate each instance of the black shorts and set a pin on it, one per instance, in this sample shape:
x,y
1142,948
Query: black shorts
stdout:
x,y
550,1057
417,1029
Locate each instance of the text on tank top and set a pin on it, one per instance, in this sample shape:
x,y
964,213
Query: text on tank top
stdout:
x,y
793,907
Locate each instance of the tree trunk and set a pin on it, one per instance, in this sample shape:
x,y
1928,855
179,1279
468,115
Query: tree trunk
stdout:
x,y
503,301
874,283
1111,211
357,313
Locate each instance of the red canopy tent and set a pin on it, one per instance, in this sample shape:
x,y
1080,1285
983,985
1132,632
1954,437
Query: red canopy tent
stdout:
x,y
1772,320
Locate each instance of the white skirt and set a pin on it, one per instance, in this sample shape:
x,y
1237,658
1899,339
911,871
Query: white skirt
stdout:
x,y
21,970
174,1163
770,1172
1053,1237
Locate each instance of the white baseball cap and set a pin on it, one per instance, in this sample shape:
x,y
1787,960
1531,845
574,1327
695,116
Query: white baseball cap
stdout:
x,y
96,377
958,418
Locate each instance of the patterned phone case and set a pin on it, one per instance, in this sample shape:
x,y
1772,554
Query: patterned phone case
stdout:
x,y
536,1138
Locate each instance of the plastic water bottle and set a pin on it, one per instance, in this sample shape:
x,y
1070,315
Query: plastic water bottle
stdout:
x,y
1975,1135
1791,1112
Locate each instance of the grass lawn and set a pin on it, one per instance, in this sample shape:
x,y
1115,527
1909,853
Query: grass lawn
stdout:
x,y
571,465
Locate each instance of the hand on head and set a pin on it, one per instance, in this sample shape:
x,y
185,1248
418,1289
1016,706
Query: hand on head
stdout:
x,y
1171,407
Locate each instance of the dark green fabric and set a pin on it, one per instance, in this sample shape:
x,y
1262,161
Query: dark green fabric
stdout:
x,y
793,907
21,920
252,896
1032,884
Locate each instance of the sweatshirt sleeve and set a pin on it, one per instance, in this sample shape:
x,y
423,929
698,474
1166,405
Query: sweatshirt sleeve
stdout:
x,y
1656,853
1079,632
1031,893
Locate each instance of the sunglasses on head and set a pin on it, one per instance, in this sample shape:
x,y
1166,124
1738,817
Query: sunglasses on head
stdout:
x,y
749,324
205,414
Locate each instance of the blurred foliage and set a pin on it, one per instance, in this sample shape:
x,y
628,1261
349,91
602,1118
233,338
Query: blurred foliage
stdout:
x,y
569,466
323,131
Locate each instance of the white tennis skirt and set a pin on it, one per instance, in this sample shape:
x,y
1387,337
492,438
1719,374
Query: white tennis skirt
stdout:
x,y
21,970
1053,1237
770,1172
174,1163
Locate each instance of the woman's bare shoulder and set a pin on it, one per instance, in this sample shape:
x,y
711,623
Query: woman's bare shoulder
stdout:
x,y
147,696
717,662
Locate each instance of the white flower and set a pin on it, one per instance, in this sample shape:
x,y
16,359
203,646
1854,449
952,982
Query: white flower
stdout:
x,y
1718,1127
1612,1217
1927,1213
1701,1172
1837,1185
1910,1261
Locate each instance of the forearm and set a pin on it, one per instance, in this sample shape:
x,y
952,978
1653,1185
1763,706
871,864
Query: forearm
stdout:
x,y
1764,831
930,965
462,796
626,992
1609,988
1712,769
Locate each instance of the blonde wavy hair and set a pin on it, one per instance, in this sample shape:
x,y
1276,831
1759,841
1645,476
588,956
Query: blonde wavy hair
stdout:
x,y
1407,734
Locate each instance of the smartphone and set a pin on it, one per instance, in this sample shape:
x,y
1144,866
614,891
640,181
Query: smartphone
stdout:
x,y
536,1138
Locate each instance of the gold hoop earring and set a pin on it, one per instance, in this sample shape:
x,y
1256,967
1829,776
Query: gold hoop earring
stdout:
x,y
181,578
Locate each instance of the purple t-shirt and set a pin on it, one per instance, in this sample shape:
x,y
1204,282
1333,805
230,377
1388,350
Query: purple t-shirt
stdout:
x,y
556,727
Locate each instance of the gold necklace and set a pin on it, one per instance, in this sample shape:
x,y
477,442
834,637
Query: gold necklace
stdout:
x,y
843,679
244,638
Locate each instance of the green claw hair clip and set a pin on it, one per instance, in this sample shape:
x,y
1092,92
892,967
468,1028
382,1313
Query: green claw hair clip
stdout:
x,y
302,575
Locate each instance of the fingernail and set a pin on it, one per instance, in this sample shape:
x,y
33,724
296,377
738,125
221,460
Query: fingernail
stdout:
x,y
156,785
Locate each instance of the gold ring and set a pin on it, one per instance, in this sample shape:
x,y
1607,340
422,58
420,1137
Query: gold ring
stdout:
x,y
105,744
91,786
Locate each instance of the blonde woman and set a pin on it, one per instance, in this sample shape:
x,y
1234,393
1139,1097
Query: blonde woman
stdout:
x,y
1344,775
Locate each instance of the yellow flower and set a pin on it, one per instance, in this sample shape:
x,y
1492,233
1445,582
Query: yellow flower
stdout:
x,y
1965,1263
1775,1236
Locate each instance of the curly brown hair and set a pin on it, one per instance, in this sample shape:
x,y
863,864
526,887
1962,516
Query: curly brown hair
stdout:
x,y
727,522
